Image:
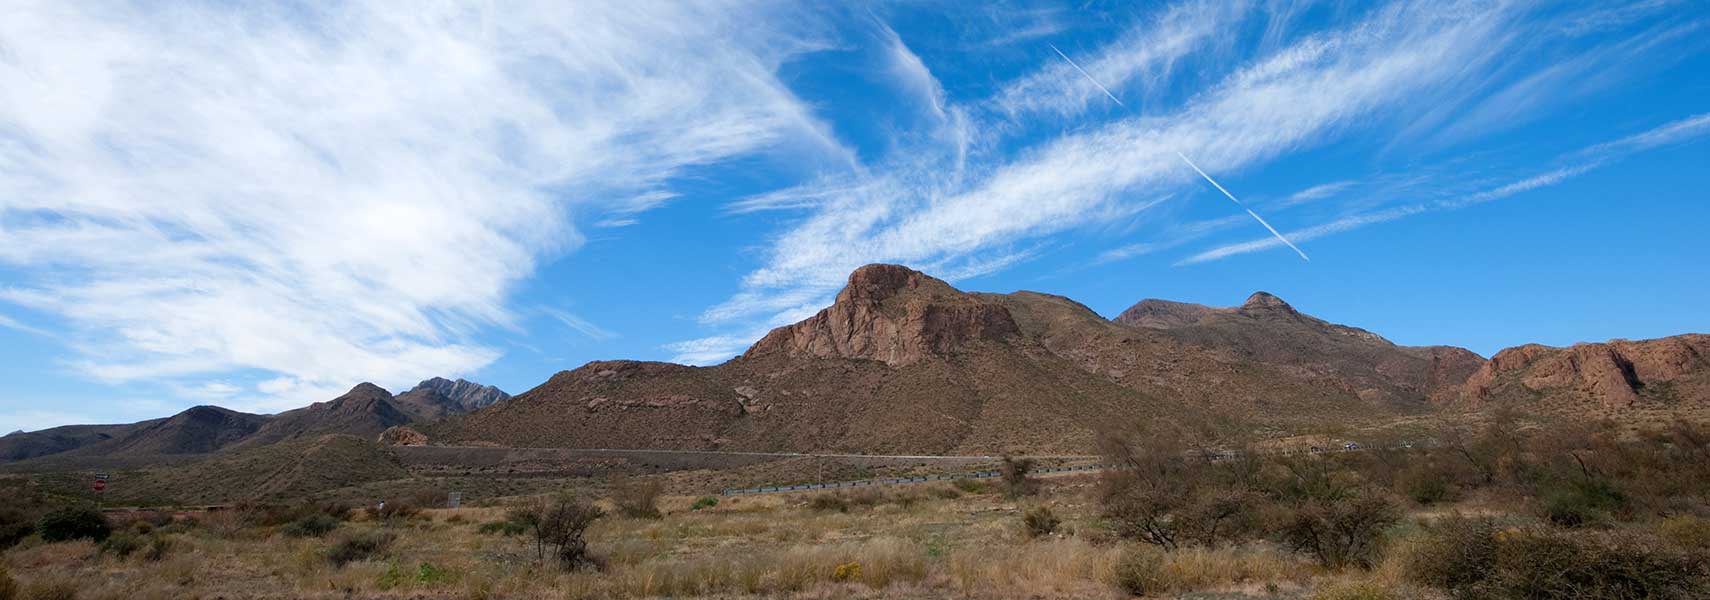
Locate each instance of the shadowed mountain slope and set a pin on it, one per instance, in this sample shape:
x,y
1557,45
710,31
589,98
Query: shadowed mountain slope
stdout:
x,y
904,363
364,411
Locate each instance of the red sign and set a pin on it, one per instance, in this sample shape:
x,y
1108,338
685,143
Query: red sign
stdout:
x,y
100,484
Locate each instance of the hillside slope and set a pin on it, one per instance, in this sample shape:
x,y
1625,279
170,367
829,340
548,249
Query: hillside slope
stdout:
x,y
904,363
1593,378
364,411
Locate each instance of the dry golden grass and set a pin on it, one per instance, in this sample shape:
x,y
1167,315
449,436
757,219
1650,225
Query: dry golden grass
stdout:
x,y
972,546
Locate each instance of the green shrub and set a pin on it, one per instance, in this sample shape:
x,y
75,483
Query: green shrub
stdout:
x,y
158,548
1140,572
358,545
1426,486
13,531
704,502
945,493
1040,521
74,523
506,528
1476,559
829,503
1581,502
8,586
424,574
315,525
969,486
122,544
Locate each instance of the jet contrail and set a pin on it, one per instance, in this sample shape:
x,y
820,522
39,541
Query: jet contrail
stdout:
x,y
1256,216
1089,76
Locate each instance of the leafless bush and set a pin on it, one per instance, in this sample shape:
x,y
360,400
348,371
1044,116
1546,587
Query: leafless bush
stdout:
x,y
558,525
1016,477
635,498
1478,558
1338,532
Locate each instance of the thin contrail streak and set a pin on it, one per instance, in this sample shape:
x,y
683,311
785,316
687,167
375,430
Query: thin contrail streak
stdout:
x,y
1089,76
1256,216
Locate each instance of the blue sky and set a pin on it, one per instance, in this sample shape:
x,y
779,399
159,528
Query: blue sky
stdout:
x,y
259,205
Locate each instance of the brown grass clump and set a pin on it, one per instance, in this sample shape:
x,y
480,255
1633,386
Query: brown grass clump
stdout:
x,y
636,498
1356,590
1039,521
1480,558
50,588
8,586
359,545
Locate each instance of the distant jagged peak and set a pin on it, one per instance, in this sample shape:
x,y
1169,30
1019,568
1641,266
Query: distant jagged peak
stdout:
x,y
464,393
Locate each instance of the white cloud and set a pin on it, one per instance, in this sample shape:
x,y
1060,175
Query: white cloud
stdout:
x,y
1588,159
1302,235
579,324
1317,192
11,323
1301,94
348,192
711,350
1143,59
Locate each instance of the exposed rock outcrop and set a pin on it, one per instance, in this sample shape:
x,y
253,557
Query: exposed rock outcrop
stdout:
x,y
1613,374
402,435
891,314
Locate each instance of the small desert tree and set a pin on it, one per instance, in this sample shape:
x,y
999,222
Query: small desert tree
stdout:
x,y
559,524
1016,477
1151,484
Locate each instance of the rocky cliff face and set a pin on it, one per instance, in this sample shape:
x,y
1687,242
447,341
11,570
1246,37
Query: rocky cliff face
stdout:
x,y
891,314
438,398
1613,374
465,394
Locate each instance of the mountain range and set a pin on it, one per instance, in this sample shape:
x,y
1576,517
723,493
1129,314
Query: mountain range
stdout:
x,y
364,411
904,363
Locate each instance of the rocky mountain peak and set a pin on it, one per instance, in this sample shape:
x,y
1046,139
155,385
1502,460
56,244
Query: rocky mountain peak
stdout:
x,y
892,314
880,282
464,394
1163,314
1265,301
366,390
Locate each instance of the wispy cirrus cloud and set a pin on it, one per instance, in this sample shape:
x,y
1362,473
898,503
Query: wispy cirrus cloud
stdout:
x,y
1579,163
1301,93
320,195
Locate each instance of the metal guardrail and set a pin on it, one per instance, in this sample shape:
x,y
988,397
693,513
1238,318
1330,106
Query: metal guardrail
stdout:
x,y
1208,456
893,481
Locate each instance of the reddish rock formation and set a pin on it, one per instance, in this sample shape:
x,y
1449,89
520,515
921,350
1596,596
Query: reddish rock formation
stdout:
x,y
401,435
892,314
1610,374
